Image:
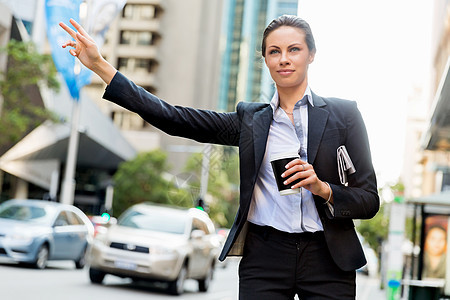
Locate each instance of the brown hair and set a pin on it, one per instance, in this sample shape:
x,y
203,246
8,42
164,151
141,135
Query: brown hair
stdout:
x,y
291,21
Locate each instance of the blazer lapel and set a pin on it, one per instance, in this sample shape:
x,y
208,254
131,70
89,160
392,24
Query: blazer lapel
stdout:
x,y
261,125
317,120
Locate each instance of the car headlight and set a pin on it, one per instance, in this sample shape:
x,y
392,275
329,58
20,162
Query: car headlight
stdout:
x,y
21,237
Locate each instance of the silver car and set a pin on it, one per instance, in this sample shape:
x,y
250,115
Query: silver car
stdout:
x,y
157,243
35,231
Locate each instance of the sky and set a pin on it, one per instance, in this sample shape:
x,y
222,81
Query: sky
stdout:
x,y
376,53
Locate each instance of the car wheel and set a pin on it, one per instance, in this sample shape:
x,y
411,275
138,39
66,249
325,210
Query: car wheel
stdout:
x,y
96,276
81,262
42,257
176,287
203,284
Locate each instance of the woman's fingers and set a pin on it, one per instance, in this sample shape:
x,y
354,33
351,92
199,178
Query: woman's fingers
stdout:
x,y
86,42
296,165
69,43
69,30
80,30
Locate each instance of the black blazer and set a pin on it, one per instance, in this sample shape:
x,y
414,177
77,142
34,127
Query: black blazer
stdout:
x,y
331,123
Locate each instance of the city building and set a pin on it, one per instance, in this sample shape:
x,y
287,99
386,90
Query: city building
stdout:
x,y
171,48
436,138
32,167
243,74
202,53
413,161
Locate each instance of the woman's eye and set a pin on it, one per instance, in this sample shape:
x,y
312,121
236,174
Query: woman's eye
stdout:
x,y
294,49
274,51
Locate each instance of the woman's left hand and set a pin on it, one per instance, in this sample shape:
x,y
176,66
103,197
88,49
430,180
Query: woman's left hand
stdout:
x,y
300,169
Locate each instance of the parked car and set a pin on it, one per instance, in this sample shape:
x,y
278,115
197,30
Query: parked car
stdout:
x,y
157,243
35,231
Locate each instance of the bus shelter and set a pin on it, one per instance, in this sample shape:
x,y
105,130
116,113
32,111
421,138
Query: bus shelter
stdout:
x,y
430,271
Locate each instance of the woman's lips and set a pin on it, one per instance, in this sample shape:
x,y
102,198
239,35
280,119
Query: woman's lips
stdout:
x,y
285,72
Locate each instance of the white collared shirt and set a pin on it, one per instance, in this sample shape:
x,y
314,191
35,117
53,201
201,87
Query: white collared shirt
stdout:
x,y
290,213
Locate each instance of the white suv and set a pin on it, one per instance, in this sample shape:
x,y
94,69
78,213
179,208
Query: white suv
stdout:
x,y
157,243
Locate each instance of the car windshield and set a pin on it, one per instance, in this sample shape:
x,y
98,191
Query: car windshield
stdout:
x,y
154,221
24,213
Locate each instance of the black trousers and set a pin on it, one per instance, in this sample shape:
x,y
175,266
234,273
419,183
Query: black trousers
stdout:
x,y
277,265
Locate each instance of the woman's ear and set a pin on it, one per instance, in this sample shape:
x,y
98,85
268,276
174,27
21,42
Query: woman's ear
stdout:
x,y
311,56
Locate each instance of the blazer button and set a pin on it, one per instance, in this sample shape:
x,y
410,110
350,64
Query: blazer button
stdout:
x,y
345,212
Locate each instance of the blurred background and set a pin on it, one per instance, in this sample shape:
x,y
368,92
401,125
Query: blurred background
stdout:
x,y
389,56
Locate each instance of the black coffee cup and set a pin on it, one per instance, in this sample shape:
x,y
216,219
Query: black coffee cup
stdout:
x,y
279,162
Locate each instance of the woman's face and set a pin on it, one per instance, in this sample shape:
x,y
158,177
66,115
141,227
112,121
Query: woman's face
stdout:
x,y
435,242
288,57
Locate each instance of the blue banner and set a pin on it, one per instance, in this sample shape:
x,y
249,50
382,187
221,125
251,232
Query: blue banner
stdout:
x,y
61,11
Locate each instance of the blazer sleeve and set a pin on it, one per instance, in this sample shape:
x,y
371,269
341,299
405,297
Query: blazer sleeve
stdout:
x,y
359,199
204,126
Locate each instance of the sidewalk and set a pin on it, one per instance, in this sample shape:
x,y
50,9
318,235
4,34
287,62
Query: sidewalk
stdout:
x,y
368,288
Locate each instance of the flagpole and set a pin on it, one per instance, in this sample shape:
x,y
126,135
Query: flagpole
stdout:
x,y
68,185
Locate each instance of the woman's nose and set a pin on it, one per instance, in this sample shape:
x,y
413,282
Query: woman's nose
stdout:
x,y
284,60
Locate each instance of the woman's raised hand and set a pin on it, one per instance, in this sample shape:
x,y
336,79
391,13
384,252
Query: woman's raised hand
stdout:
x,y
86,50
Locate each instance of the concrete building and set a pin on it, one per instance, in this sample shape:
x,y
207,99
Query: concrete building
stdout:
x,y
171,48
436,138
31,168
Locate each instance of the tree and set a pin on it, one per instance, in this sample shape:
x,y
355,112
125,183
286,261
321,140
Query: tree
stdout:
x,y
21,111
141,179
223,182
376,229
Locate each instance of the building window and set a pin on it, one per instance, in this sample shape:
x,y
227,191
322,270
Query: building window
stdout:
x,y
126,120
122,62
147,12
143,64
127,12
125,37
144,38
140,12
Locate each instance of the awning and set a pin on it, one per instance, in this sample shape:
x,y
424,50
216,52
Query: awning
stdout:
x,y
42,151
437,137
442,198
438,203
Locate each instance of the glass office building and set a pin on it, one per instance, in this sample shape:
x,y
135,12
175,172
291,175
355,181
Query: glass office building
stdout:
x,y
243,75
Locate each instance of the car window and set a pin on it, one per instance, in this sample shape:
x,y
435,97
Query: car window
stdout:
x,y
155,221
62,219
198,224
74,219
23,213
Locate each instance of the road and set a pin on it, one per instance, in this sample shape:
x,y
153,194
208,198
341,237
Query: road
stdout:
x,y
62,281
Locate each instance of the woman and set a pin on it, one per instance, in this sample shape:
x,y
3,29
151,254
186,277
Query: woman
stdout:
x,y
435,252
302,243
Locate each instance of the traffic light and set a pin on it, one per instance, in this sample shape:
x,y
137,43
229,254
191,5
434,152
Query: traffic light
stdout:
x,y
106,217
201,204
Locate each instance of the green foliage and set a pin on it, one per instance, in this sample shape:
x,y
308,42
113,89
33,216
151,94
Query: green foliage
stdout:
x,y
223,182
141,180
19,111
376,229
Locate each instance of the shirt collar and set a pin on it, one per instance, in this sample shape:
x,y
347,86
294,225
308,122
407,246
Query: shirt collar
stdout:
x,y
275,102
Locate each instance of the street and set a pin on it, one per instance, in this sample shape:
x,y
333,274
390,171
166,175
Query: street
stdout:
x,y
62,281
